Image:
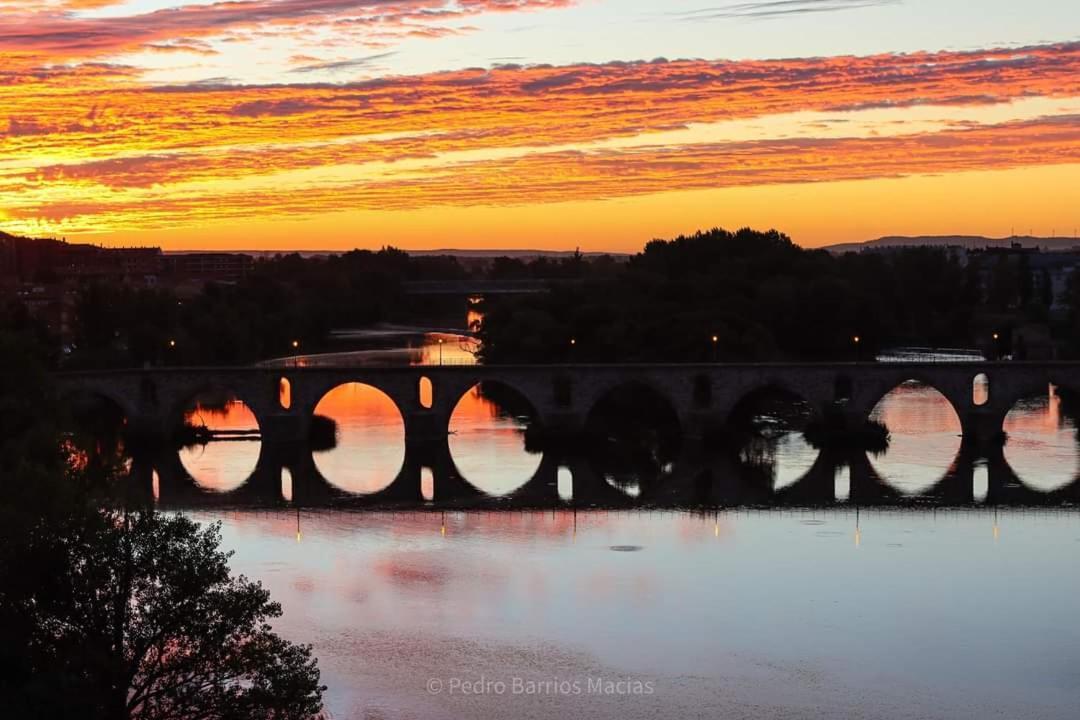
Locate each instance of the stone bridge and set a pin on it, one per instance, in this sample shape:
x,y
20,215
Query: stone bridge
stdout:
x,y
154,401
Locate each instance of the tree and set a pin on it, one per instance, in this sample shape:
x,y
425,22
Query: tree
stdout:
x,y
110,611
148,623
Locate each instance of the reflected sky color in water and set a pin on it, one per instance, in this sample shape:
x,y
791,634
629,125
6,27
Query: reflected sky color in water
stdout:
x,y
488,446
924,437
742,614
735,615
222,466
1042,444
371,439
793,459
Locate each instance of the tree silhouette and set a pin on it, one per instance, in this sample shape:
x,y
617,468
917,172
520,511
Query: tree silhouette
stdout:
x,y
113,611
147,622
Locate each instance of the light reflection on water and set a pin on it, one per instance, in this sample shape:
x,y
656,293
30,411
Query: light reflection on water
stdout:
x,y
222,466
371,439
924,437
488,445
1042,443
759,614
742,614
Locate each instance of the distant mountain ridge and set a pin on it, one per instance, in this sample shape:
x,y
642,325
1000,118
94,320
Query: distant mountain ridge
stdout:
x,y
970,242
478,254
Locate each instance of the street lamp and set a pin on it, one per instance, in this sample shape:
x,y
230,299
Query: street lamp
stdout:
x,y
715,347
442,341
857,342
296,347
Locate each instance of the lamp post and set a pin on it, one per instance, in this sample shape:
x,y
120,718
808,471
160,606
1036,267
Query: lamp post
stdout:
x,y
997,346
442,341
715,347
857,342
296,348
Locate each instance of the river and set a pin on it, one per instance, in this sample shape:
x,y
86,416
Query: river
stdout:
x,y
823,612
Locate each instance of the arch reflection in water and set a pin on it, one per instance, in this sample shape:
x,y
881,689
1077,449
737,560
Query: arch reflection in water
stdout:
x,y
980,476
770,424
221,443
924,437
96,434
286,485
427,484
565,483
370,448
636,438
487,439
1041,445
980,390
842,484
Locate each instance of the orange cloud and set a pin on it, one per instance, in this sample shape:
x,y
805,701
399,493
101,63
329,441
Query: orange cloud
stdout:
x,y
575,175
40,32
89,147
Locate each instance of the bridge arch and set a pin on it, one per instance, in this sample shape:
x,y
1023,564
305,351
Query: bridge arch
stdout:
x,y
492,440
224,461
74,396
927,429
870,392
1042,438
521,394
190,397
772,388
366,451
767,421
638,436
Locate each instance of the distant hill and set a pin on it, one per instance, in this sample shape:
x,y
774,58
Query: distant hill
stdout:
x,y
472,254
966,241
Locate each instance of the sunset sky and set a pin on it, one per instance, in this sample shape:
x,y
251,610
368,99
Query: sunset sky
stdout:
x,y
331,124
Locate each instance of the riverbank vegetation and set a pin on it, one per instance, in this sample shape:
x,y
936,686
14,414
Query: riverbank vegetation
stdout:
x,y
711,296
756,296
109,609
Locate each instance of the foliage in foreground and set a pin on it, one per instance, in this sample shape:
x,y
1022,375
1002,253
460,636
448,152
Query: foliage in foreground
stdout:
x,y
114,611
144,621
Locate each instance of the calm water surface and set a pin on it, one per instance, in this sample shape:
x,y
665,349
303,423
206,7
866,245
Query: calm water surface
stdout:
x,y
890,614
840,612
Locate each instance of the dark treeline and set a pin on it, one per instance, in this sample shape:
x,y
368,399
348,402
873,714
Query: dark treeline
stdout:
x,y
758,294
755,296
285,299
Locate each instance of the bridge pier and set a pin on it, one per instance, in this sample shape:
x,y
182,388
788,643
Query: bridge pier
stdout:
x,y
284,428
983,431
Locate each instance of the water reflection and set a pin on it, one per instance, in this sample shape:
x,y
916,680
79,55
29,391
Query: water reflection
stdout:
x,y
924,432
370,448
776,611
634,439
633,454
224,450
638,465
1041,445
768,426
487,440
